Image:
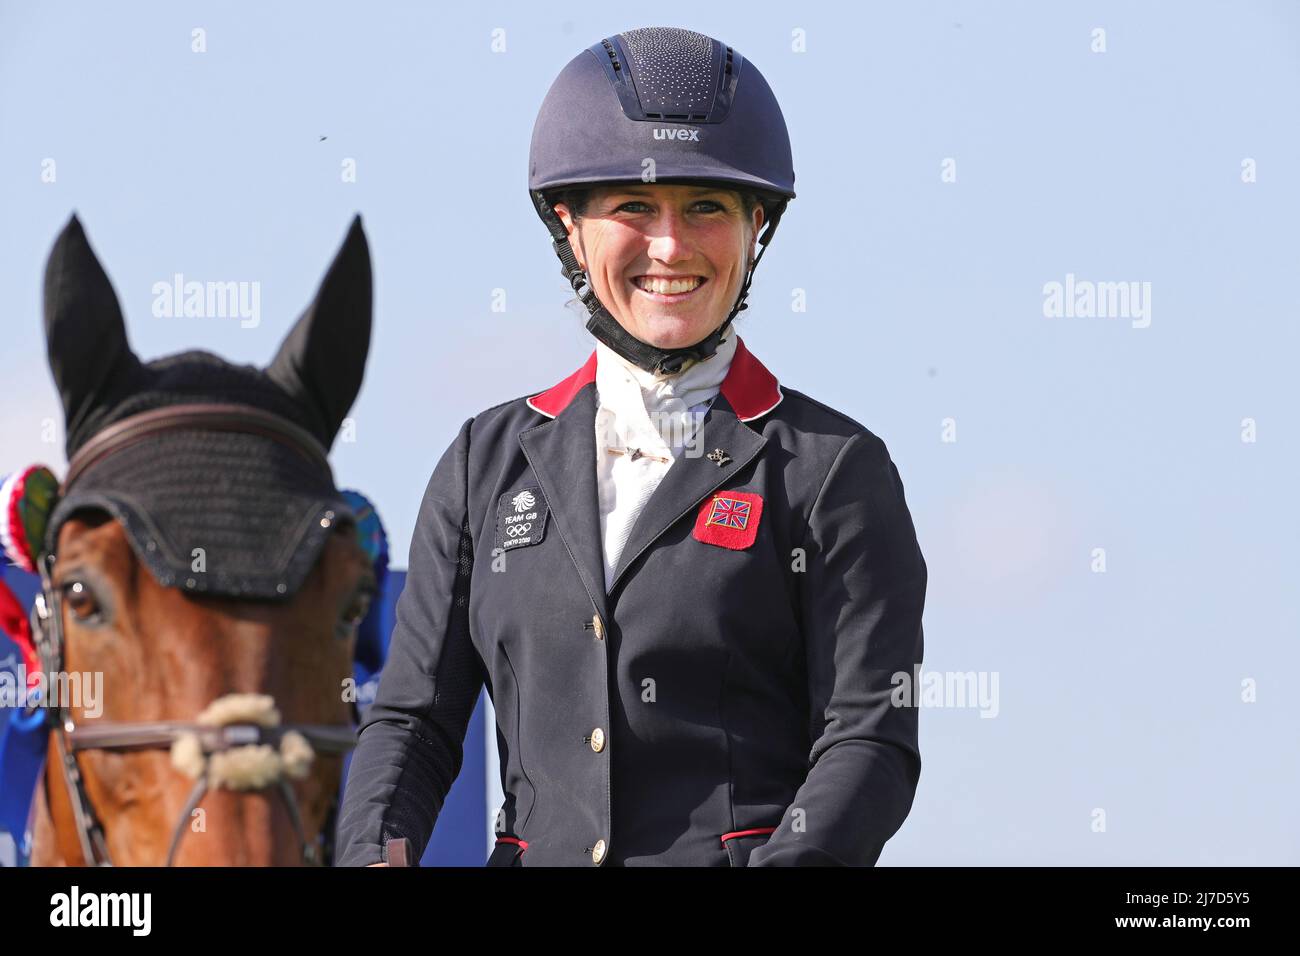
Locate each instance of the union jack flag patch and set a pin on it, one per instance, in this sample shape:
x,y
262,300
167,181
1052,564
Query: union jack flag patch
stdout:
x,y
729,519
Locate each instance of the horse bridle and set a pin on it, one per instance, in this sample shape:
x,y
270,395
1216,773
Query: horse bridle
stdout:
x,y
118,736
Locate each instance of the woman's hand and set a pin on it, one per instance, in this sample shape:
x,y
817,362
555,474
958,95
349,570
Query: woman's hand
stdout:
x,y
368,865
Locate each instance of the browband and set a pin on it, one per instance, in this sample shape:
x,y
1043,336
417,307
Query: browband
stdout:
x,y
208,416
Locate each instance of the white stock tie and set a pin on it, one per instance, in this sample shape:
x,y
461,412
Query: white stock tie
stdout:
x,y
649,421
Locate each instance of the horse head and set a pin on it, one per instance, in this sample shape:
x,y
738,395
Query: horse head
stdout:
x,y
199,557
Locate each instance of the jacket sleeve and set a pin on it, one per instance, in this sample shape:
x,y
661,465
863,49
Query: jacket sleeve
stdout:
x,y
410,746
862,593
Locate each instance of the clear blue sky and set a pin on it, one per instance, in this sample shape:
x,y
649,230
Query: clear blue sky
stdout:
x,y
1119,691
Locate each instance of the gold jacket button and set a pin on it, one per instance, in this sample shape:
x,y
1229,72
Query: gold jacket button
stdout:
x,y
598,740
598,626
598,851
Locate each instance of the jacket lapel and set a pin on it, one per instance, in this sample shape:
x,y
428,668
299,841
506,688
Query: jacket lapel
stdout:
x,y
562,453
690,479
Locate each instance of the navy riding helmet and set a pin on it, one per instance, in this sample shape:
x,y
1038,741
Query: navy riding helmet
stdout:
x,y
689,103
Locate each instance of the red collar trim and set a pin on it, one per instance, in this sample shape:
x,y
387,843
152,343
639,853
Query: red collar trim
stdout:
x,y
556,398
749,387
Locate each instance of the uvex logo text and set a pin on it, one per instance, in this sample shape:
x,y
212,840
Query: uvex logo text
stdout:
x,y
670,132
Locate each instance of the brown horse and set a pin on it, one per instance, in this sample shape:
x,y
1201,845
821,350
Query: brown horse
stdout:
x,y
199,549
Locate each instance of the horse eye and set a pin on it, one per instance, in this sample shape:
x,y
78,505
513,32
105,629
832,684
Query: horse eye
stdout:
x,y
81,601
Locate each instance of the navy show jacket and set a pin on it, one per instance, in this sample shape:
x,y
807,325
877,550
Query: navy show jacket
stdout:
x,y
732,700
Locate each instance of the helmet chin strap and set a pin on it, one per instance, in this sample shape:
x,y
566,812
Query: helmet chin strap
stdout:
x,y
608,329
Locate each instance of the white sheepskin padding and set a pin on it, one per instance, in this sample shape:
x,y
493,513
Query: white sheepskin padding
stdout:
x,y
296,753
241,709
187,755
251,767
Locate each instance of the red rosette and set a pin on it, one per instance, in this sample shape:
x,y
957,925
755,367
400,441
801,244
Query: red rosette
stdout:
x,y
26,499
14,622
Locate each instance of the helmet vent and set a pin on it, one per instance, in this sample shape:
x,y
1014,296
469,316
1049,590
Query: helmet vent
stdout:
x,y
613,57
673,71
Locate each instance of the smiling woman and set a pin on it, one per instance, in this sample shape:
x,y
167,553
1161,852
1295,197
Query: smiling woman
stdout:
x,y
667,260
710,577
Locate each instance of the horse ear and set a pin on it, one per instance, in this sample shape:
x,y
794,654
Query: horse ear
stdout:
x,y
85,335
323,358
